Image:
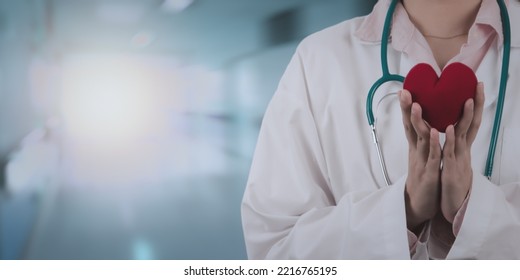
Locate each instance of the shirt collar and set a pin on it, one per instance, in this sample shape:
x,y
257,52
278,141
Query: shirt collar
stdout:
x,y
489,14
371,28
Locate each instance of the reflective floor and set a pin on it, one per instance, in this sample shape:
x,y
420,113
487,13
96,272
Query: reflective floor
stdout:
x,y
195,215
192,218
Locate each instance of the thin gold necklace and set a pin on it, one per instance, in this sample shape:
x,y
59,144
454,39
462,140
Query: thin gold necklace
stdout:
x,y
445,38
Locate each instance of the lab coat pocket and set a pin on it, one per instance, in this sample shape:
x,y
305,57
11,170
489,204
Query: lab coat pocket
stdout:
x,y
509,169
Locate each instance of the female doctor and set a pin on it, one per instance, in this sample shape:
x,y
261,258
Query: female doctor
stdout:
x,y
316,190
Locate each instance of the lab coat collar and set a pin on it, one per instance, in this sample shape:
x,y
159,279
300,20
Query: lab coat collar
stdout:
x,y
371,29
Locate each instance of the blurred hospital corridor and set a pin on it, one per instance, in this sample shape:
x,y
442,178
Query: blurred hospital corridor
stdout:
x,y
127,127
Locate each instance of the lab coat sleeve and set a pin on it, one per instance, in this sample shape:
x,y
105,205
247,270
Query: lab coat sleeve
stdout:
x,y
491,225
290,210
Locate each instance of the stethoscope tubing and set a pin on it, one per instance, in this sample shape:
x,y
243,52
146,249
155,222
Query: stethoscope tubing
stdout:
x,y
506,30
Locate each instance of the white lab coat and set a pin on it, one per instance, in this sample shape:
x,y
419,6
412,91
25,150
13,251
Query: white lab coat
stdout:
x,y
316,190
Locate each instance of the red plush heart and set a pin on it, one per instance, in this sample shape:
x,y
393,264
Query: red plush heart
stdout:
x,y
441,99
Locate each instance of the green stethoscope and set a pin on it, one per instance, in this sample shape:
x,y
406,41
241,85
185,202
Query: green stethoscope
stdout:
x,y
387,77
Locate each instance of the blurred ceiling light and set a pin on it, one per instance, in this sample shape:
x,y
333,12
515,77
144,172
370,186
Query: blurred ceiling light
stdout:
x,y
107,101
176,6
121,12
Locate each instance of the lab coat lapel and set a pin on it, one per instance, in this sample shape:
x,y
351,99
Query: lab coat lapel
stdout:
x,y
489,73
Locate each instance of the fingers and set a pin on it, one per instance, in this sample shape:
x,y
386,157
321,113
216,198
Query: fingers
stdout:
x,y
467,117
422,132
419,125
435,154
478,111
448,153
405,100
418,132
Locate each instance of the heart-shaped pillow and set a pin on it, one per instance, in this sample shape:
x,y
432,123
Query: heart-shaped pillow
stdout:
x,y
441,99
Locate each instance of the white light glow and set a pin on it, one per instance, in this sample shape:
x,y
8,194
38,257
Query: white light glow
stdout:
x,y
129,119
106,99
111,105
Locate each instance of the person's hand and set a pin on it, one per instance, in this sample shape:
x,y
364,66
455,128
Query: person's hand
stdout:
x,y
457,173
422,193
